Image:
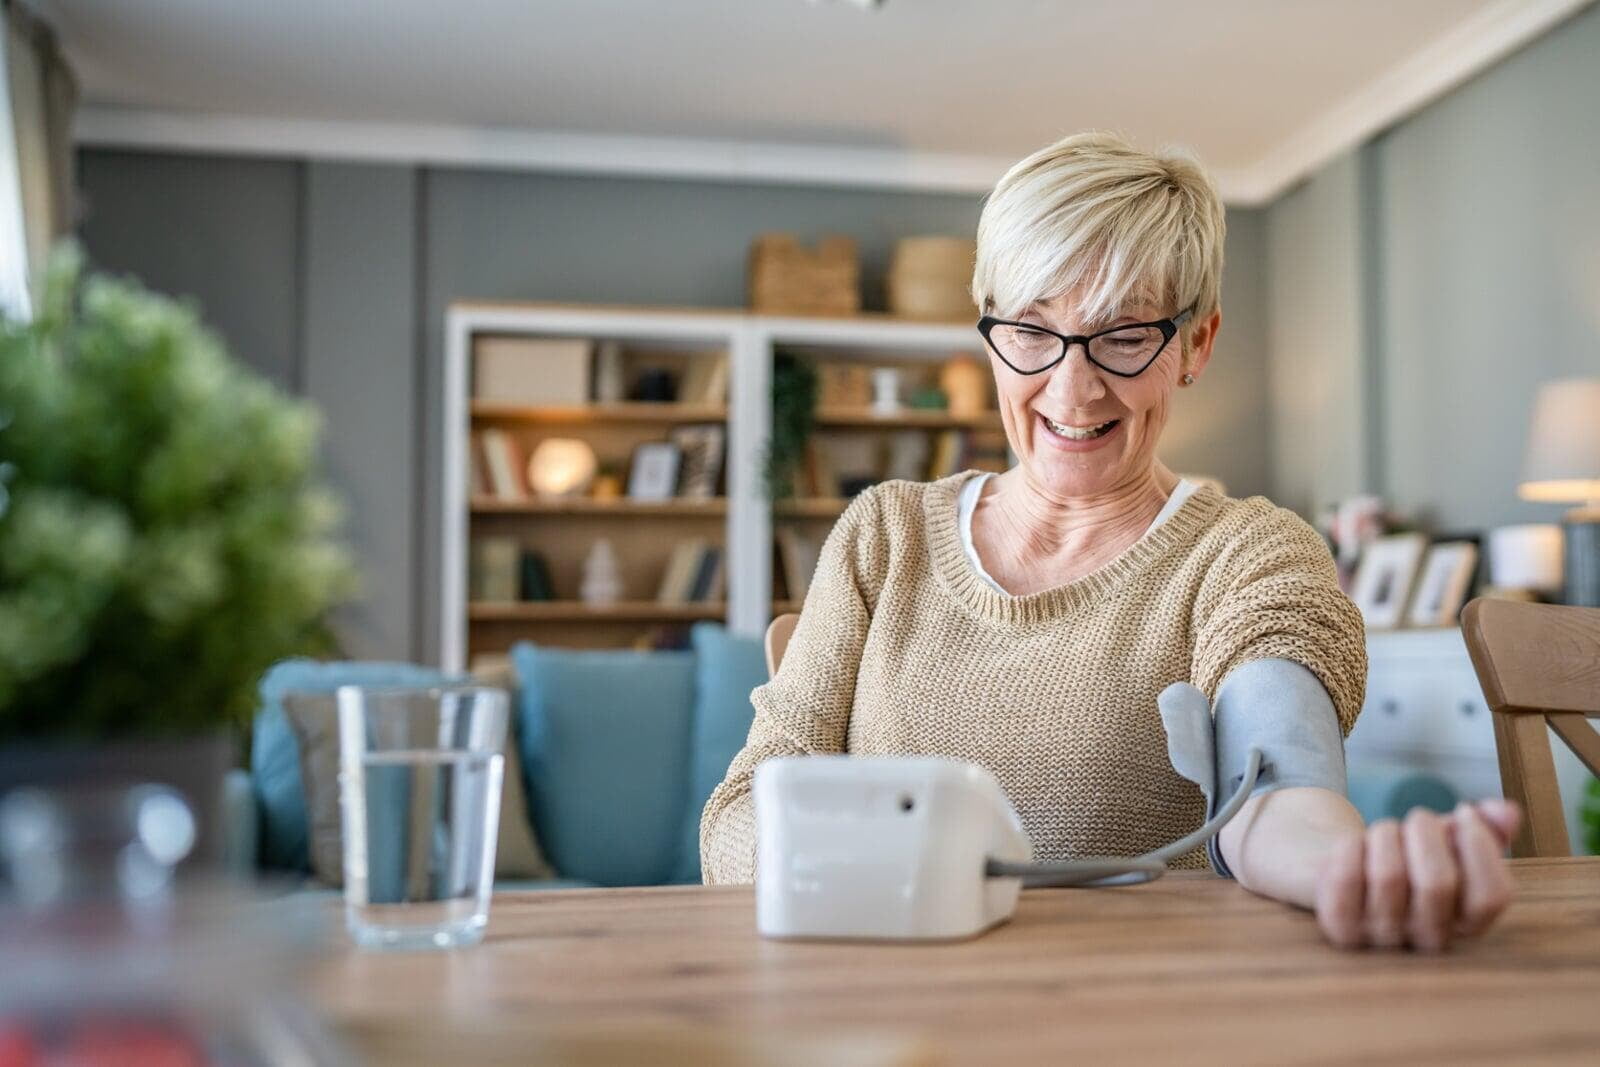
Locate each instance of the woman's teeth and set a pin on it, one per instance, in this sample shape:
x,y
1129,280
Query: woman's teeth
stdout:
x,y
1075,433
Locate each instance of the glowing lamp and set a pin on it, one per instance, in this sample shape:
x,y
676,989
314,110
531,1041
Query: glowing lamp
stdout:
x,y
1563,466
561,466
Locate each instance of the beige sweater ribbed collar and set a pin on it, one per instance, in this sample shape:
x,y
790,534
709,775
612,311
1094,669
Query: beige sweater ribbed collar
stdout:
x,y
964,585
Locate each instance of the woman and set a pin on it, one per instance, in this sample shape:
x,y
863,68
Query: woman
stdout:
x,y
1026,621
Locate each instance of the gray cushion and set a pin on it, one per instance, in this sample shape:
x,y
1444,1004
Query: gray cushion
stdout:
x,y
314,719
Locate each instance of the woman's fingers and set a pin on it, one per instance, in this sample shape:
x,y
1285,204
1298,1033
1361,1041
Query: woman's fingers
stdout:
x,y
1485,878
1420,882
1387,892
1434,878
1503,816
1340,893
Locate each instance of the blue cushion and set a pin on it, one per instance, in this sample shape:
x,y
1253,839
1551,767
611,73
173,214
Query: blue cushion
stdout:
x,y
727,668
275,757
605,752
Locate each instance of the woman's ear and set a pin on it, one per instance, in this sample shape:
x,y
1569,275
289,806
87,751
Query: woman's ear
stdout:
x,y
1197,352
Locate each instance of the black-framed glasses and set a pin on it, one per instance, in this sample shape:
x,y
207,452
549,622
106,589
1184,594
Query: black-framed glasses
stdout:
x,y
1126,351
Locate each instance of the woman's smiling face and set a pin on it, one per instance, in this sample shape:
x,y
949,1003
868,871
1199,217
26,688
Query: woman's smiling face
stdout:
x,y
1080,431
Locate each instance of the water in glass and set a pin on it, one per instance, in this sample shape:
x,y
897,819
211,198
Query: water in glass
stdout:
x,y
420,823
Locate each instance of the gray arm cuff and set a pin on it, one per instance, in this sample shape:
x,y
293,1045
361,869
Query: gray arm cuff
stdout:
x,y
1281,708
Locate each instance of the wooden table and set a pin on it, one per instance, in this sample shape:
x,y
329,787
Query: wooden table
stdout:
x,y
1189,968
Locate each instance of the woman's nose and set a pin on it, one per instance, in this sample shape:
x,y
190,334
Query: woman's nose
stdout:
x,y
1075,382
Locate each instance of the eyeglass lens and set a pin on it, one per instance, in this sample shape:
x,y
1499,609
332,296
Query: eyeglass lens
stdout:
x,y
1121,351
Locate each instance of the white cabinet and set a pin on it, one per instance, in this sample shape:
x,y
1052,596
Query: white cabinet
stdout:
x,y
1425,710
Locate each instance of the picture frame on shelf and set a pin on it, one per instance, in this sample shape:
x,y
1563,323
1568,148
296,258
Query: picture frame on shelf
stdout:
x,y
1444,583
701,449
653,471
1384,578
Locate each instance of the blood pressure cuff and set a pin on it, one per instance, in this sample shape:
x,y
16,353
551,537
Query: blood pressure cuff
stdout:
x,y
1275,705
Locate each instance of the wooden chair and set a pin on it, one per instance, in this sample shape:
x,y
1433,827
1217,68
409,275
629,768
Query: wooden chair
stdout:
x,y
1538,664
778,635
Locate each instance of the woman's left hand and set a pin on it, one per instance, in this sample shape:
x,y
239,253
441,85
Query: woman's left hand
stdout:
x,y
1420,882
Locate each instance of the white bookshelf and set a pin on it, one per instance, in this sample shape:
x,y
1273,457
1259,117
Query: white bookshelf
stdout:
x,y
751,342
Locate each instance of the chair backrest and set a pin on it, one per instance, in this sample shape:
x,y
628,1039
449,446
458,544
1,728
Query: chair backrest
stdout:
x,y
778,635
1539,665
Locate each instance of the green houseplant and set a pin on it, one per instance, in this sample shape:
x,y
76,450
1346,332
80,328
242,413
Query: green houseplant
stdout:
x,y
794,405
162,538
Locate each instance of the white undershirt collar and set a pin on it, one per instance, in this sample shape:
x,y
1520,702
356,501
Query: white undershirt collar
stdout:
x,y
967,503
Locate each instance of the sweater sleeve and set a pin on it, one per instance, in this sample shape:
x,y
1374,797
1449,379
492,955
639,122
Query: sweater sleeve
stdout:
x,y
805,708
1275,594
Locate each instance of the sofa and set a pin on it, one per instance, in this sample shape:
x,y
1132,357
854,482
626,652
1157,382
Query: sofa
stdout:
x,y
616,752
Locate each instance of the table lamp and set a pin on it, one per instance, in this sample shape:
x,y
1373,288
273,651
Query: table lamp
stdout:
x,y
561,466
1563,466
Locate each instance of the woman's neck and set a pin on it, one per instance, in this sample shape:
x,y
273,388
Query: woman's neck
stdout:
x,y
1039,537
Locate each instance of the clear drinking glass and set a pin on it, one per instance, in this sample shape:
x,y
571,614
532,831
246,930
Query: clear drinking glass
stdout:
x,y
420,772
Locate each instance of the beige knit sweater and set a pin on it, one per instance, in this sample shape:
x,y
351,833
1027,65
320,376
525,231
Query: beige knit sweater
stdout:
x,y
902,649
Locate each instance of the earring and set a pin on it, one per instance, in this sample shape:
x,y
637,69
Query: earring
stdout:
x,y
1188,379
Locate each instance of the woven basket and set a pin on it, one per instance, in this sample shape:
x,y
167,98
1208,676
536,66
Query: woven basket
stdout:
x,y
931,278
788,278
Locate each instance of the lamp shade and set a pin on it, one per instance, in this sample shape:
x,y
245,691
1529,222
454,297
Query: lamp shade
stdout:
x,y
1526,557
1563,458
561,466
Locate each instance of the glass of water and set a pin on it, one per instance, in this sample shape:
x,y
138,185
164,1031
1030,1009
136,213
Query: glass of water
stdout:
x,y
420,772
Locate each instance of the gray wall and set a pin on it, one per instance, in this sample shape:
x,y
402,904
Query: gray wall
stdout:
x,y
1315,330
1425,287
360,343
334,279
221,230
1219,428
1490,275
309,272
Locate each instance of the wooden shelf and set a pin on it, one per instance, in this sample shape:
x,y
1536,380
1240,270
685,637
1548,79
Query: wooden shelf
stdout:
x,y
578,611
810,507
907,418
624,412
488,505
786,607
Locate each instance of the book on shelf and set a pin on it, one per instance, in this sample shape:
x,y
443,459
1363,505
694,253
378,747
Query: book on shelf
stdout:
x,y
817,475
707,575
677,578
716,391
477,477
695,572
719,578
705,379
492,569
533,576
505,464
700,465
531,371
949,451
797,560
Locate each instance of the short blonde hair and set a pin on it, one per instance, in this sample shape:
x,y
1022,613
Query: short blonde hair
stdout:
x,y
1094,209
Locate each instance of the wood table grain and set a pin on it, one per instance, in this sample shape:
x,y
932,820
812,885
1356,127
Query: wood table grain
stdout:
x,y
1188,968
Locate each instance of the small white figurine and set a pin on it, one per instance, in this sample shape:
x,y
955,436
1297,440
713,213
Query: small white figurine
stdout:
x,y
602,580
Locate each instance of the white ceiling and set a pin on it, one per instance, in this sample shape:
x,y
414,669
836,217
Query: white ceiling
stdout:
x,y
930,93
